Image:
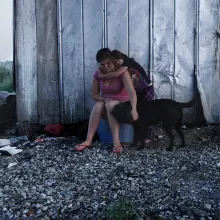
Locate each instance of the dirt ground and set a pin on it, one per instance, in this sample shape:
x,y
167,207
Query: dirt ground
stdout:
x,y
193,135
52,181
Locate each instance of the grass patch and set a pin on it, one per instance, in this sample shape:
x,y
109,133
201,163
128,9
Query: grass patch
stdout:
x,y
121,209
6,79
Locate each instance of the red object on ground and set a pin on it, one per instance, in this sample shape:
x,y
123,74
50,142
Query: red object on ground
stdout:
x,y
54,129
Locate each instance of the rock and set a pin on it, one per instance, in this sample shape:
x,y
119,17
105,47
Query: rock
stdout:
x,y
46,217
199,213
43,195
207,206
27,204
25,211
38,206
39,211
49,192
44,208
63,184
115,196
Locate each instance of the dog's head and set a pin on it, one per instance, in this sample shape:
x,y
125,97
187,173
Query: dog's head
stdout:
x,y
122,112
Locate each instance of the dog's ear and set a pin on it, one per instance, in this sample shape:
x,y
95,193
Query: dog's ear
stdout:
x,y
128,105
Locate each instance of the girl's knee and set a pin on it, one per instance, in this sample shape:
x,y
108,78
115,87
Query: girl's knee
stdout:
x,y
99,107
110,104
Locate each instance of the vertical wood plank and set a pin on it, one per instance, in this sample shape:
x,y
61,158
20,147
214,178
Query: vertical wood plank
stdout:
x,y
26,60
184,77
47,62
72,53
163,57
93,22
117,25
208,76
139,31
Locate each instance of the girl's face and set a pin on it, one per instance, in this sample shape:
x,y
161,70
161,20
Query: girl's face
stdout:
x,y
106,65
117,62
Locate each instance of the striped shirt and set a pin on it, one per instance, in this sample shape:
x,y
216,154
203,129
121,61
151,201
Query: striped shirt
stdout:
x,y
114,91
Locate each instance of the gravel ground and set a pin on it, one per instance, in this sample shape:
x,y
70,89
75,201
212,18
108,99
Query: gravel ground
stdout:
x,y
52,181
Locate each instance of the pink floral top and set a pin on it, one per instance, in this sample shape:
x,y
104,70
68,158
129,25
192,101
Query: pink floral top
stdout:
x,y
114,91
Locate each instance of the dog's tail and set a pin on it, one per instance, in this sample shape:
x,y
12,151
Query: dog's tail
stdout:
x,y
190,103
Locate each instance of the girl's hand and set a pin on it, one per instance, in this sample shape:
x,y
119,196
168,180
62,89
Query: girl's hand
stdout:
x,y
134,114
106,100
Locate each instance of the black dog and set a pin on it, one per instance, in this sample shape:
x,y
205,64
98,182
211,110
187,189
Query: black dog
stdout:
x,y
167,111
80,129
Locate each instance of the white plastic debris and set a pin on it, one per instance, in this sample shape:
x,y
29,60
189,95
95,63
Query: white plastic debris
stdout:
x,y
218,164
4,142
11,165
9,150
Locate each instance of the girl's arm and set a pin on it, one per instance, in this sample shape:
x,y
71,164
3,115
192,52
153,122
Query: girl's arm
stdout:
x,y
132,94
113,74
96,91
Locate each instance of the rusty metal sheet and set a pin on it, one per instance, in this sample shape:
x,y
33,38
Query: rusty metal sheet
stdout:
x,y
139,28
93,20
26,60
72,60
163,53
208,77
117,25
184,48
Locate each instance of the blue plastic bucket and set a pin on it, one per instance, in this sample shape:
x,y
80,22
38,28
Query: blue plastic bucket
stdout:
x,y
105,134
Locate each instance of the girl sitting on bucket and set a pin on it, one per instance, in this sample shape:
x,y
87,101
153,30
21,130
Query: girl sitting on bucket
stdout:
x,y
138,75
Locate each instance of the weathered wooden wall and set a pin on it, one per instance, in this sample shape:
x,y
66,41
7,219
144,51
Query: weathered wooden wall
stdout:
x,y
208,75
26,60
177,42
48,93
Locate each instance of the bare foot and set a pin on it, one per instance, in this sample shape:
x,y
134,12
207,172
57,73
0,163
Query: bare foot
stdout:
x,y
83,146
117,149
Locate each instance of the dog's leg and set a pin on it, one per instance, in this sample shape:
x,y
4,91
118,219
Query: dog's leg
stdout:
x,y
142,132
180,133
168,129
142,141
136,134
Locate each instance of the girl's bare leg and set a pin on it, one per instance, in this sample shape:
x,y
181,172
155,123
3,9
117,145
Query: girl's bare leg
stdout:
x,y
114,125
94,120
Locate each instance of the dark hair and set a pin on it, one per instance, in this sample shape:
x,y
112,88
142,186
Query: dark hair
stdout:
x,y
103,54
118,55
